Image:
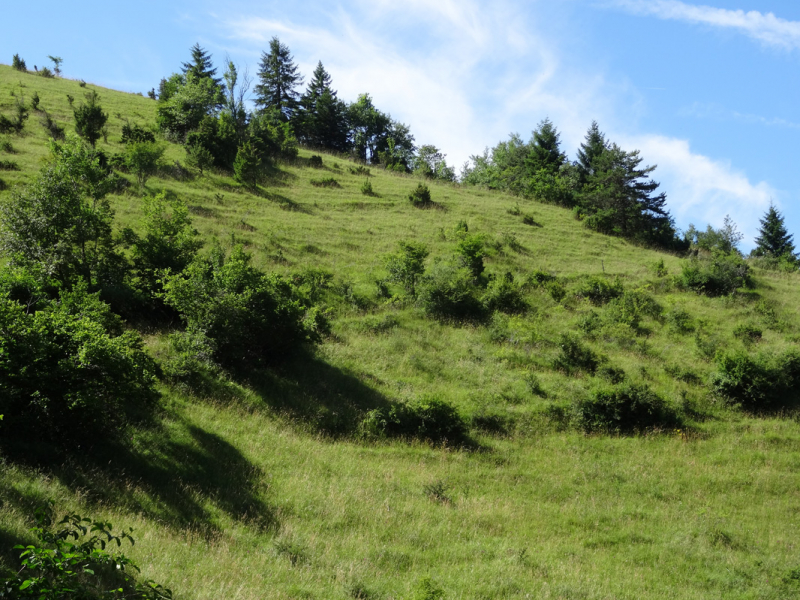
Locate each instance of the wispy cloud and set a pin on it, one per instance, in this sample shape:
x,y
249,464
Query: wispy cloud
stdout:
x,y
703,190
764,27
719,112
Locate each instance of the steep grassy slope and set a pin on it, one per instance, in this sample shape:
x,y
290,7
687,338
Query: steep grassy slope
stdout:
x,y
262,489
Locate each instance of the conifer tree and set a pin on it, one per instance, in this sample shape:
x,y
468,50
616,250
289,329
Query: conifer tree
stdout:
x,y
773,239
201,67
590,151
545,151
321,119
278,78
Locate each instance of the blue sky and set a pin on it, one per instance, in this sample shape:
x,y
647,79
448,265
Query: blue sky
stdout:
x,y
706,90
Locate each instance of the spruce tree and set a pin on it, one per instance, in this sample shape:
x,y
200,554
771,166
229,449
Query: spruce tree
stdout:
x,y
545,152
594,146
201,67
278,78
773,239
321,119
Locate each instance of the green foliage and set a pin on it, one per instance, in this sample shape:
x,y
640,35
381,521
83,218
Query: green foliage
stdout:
x,y
427,418
407,265
248,318
68,370
633,306
71,561
199,156
431,164
8,165
60,225
421,196
315,161
773,239
326,182
46,73
35,101
18,63
90,118
426,589
626,409
679,320
278,77
55,130
321,120
599,290
724,240
247,166
471,251
169,243
659,268
366,188
57,60
721,275
574,356
136,133
183,103
17,124
360,170
748,333
758,383
504,295
272,137
143,159
447,292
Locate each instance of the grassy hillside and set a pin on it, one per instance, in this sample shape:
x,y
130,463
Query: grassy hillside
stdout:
x,y
263,488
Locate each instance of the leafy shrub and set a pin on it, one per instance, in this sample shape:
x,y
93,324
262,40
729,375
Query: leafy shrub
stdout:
x,y
611,374
18,63
769,315
407,265
315,161
427,418
360,170
68,369
747,333
366,188
143,159
421,197
46,73
575,356
503,295
659,269
377,325
598,290
589,323
556,290
624,409
539,278
633,306
679,320
248,317
327,182
447,292
199,156
720,276
758,383
471,251
247,166
8,165
136,133
71,561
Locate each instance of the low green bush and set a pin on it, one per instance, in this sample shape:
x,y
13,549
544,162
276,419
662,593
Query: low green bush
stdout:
x,y
679,320
760,383
18,63
421,197
633,306
366,188
599,290
315,161
575,356
136,133
447,292
748,333
504,295
719,276
625,409
428,418
327,182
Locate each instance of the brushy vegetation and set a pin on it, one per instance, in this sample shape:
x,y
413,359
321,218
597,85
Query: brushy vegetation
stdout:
x,y
492,410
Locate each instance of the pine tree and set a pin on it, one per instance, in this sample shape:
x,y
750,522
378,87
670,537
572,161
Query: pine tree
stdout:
x,y
774,240
594,146
321,120
247,166
201,66
278,78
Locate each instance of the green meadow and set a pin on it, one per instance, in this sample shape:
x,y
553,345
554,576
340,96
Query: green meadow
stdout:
x,y
266,487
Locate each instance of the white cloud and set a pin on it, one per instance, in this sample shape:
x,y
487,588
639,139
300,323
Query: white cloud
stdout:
x,y
764,27
702,190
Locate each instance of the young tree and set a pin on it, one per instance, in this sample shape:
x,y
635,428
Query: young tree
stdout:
x,y
545,151
773,238
247,166
278,78
143,159
183,103
18,63
594,147
90,119
60,225
430,162
321,118
57,60
201,67
235,95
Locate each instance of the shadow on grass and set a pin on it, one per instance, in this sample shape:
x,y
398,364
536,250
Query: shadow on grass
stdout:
x,y
283,202
180,475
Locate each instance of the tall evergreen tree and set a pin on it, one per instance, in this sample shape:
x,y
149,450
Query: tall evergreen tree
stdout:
x,y
321,119
201,67
594,147
774,239
278,78
545,151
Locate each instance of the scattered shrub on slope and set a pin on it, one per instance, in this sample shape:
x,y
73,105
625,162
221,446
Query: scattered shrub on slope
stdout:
x,y
625,409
